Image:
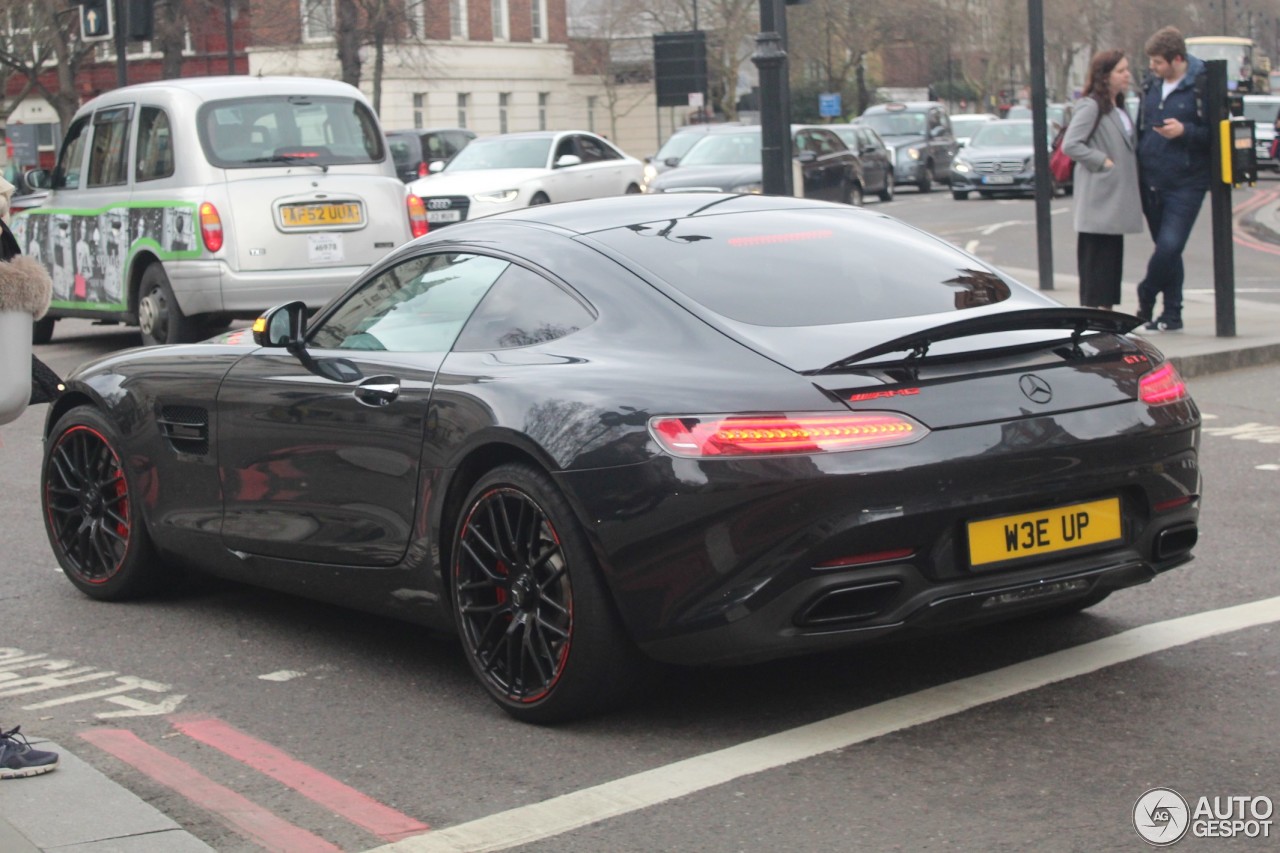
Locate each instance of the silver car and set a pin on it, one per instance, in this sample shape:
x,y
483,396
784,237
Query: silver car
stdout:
x,y
181,205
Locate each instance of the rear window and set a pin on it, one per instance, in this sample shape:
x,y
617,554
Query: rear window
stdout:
x,y
807,267
289,129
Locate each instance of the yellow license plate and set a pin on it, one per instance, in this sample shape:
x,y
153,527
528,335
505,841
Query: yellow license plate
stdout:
x,y
307,215
1012,537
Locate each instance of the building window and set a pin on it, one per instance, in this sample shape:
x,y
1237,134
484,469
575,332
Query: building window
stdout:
x,y
419,107
504,101
499,20
591,113
538,10
317,20
543,99
464,99
458,19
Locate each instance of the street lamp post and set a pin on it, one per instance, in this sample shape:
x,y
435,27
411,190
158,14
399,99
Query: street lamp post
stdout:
x,y
775,114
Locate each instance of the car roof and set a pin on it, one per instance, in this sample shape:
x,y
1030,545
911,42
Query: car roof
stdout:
x,y
418,131
230,86
902,107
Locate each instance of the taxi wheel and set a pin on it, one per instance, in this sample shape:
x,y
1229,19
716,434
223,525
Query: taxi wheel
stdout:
x,y
92,510
536,622
925,183
159,317
42,330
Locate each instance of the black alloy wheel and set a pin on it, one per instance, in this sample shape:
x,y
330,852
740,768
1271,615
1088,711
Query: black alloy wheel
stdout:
x,y
534,619
91,511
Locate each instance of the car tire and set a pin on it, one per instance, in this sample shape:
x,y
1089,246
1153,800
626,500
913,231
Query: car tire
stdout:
x,y
92,508
633,189
42,330
539,198
160,319
536,623
886,194
960,195
854,195
925,184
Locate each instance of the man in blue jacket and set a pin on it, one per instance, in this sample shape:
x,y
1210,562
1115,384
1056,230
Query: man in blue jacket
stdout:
x,y
1173,163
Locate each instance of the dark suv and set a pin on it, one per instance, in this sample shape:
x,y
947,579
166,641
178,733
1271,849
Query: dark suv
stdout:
x,y
415,150
919,137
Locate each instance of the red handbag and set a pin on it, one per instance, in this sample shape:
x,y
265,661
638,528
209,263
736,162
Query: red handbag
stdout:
x,y
1060,165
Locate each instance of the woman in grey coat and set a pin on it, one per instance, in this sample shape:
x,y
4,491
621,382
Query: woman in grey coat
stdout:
x,y
1102,142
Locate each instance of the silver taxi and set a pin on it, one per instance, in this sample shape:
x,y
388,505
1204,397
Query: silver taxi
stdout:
x,y
180,205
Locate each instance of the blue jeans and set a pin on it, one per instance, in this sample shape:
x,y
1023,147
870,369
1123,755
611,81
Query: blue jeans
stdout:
x,y
1171,214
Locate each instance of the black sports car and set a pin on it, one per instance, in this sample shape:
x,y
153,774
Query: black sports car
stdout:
x,y
702,428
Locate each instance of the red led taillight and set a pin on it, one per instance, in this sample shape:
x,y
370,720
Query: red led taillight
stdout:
x,y
700,436
418,224
1162,386
423,171
210,227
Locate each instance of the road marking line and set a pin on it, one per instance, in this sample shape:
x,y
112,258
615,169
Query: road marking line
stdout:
x,y
972,246
991,229
343,800
242,814
527,824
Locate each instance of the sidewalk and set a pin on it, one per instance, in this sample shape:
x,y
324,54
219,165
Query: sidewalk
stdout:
x,y
77,809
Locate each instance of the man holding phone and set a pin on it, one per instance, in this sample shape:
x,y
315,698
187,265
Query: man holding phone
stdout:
x,y
1174,170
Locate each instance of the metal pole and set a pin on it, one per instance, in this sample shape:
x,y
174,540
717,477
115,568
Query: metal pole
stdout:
x,y
1040,139
121,42
775,118
231,41
1224,281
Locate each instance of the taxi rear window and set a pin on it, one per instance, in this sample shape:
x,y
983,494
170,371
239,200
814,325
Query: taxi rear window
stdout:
x,y
289,130
809,267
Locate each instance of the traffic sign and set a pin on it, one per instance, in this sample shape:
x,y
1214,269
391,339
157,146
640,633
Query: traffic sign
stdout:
x,y
96,20
829,104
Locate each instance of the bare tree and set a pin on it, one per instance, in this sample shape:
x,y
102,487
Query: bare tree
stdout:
x,y
40,38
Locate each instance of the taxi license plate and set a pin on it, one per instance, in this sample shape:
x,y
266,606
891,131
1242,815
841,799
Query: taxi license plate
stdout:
x,y
323,215
997,179
1014,537
444,215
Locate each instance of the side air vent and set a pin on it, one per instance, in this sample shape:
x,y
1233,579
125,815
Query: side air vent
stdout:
x,y
187,428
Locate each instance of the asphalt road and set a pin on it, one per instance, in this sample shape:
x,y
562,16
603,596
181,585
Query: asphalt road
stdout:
x,y
222,678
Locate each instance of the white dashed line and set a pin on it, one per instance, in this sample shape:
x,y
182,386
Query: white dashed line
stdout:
x,y
527,824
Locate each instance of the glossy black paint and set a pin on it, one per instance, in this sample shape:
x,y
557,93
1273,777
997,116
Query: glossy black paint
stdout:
x,y
302,486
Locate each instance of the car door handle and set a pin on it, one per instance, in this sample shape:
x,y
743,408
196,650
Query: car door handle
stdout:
x,y
377,391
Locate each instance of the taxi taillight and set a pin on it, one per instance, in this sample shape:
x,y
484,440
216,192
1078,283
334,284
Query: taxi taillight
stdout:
x,y
210,227
702,436
417,216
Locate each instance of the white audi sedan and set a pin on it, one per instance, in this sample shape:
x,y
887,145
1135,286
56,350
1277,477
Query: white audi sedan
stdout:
x,y
498,173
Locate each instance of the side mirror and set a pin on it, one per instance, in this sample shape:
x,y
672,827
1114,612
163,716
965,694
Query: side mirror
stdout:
x,y
282,326
37,179
672,161
566,160
435,166
806,156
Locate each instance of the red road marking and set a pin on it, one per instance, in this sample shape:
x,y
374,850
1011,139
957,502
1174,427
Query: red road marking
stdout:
x,y
345,801
1258,200
241,814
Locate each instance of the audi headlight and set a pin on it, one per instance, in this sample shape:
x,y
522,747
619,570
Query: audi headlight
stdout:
x,y
756,188
650,172
497,196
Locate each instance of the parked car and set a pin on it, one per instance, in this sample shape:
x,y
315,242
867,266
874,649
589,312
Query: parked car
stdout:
x,y
964,125
1263,110
413,151
180,205
698,428
676,146
999,160
875,163
728,160
919,135
497,173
